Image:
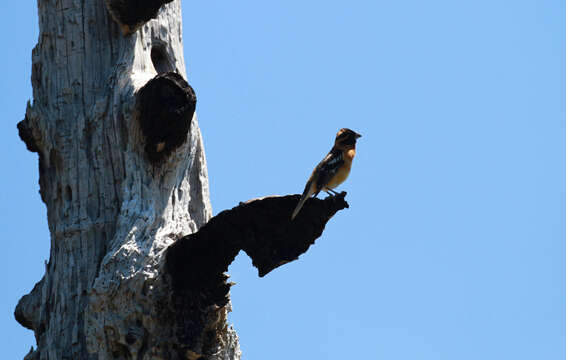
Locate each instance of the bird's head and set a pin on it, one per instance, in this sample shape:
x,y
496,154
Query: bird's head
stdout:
x,y
346,139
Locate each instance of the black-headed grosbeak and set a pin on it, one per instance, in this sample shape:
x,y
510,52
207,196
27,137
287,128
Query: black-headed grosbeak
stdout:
x,y
333,169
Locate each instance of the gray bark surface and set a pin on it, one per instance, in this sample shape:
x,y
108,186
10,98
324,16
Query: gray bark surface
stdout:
x,y
111,212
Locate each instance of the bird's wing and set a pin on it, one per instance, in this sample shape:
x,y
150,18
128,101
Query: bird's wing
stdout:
x,y
328,168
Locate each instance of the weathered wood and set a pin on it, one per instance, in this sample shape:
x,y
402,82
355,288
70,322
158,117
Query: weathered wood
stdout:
x,y
111,212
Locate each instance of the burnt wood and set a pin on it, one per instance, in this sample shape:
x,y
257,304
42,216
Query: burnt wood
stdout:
x,y
166,105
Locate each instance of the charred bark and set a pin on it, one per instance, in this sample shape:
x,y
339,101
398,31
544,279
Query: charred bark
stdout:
x,y
132,14
166,105
196,264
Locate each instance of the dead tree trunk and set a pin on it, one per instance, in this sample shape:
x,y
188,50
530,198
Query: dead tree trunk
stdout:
x,y
123,175
112,206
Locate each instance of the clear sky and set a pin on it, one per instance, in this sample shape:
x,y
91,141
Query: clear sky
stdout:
x,y
454,243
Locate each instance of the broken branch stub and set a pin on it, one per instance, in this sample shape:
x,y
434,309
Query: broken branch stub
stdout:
x,y
132,14
166,105
261,227
196,264
26,134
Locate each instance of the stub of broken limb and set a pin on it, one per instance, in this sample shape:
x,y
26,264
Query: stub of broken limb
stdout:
x,y
196,264
261,227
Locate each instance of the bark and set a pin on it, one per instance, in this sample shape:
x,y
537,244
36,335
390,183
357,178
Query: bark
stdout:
x,y
111,212
123,176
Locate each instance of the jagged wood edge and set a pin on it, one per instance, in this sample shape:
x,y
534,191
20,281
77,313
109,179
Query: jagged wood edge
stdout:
x,y
261,227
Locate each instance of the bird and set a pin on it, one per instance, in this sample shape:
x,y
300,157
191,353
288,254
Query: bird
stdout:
x,y
333,169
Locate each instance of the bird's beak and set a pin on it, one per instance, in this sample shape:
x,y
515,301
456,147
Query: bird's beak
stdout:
x,y
358,136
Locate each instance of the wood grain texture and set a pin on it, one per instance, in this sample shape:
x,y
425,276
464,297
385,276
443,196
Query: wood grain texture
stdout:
x,y
111,212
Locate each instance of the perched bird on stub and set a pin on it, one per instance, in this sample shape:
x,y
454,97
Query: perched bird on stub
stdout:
x,y
333,169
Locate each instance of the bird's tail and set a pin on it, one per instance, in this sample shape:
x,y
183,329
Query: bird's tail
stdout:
x,y
309,190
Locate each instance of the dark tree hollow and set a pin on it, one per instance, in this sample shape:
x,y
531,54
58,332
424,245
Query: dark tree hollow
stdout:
x,y
132,14
166,105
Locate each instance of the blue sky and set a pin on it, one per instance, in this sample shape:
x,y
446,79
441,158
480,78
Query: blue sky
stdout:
x,y
454,243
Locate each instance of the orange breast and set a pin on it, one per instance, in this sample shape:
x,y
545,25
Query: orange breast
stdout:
x,y
344,171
